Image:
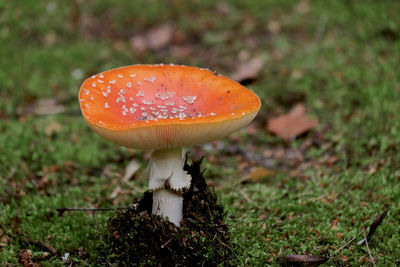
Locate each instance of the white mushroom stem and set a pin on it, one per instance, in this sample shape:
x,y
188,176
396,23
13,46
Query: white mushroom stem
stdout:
x,y
168,204
167,179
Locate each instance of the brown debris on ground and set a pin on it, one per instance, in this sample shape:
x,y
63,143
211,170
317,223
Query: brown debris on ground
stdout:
x,y
136,237
293,124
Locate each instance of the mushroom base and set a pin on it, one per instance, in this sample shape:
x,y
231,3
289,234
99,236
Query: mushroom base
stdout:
x,y
136,237
168,204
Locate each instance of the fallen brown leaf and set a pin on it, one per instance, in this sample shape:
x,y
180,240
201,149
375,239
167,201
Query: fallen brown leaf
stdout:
x,y
132,167
160,36
180,51
293,124
118,190
52,127
4,241
374,225
25,257
138,44
48,106
256,175
344,258
248,70
223,8
274,26
302,260
303,6
155,38
364,260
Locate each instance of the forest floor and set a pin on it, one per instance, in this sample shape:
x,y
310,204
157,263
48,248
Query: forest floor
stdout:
x,y
314,194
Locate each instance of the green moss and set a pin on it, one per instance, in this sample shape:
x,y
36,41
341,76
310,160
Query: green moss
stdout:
x,y
340,58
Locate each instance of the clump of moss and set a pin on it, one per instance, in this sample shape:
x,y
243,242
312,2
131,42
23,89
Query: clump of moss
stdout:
x,y
136,237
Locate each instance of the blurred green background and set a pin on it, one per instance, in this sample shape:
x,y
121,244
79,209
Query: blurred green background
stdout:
x,y
309,195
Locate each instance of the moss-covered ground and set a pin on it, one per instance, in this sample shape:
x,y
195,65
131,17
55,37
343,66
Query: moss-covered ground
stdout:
x,y
321,191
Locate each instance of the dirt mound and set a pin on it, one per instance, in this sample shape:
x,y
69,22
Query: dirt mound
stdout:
x,y
136,237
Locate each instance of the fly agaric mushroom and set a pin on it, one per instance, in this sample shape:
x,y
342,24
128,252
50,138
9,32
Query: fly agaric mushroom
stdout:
x,y
164,108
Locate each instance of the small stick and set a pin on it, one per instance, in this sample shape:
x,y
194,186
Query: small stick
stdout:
x,y
90,209
166,243
320,27
245,196
45,245
345,245
62,210
369,252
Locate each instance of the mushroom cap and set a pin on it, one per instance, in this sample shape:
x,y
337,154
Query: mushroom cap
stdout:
x,y
165,106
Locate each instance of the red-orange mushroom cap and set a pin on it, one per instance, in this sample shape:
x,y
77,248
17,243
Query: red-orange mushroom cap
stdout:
x,y
165,106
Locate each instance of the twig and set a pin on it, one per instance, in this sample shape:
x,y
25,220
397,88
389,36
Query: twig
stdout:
x,y
319,31
91,209
345,245
334,254
369,252
245,196
41,244
62,210
17,232
166,243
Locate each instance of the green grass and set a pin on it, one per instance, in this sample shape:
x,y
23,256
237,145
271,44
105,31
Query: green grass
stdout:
x,y
340,58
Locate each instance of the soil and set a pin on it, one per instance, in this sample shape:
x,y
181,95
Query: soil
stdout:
x,y
137,238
